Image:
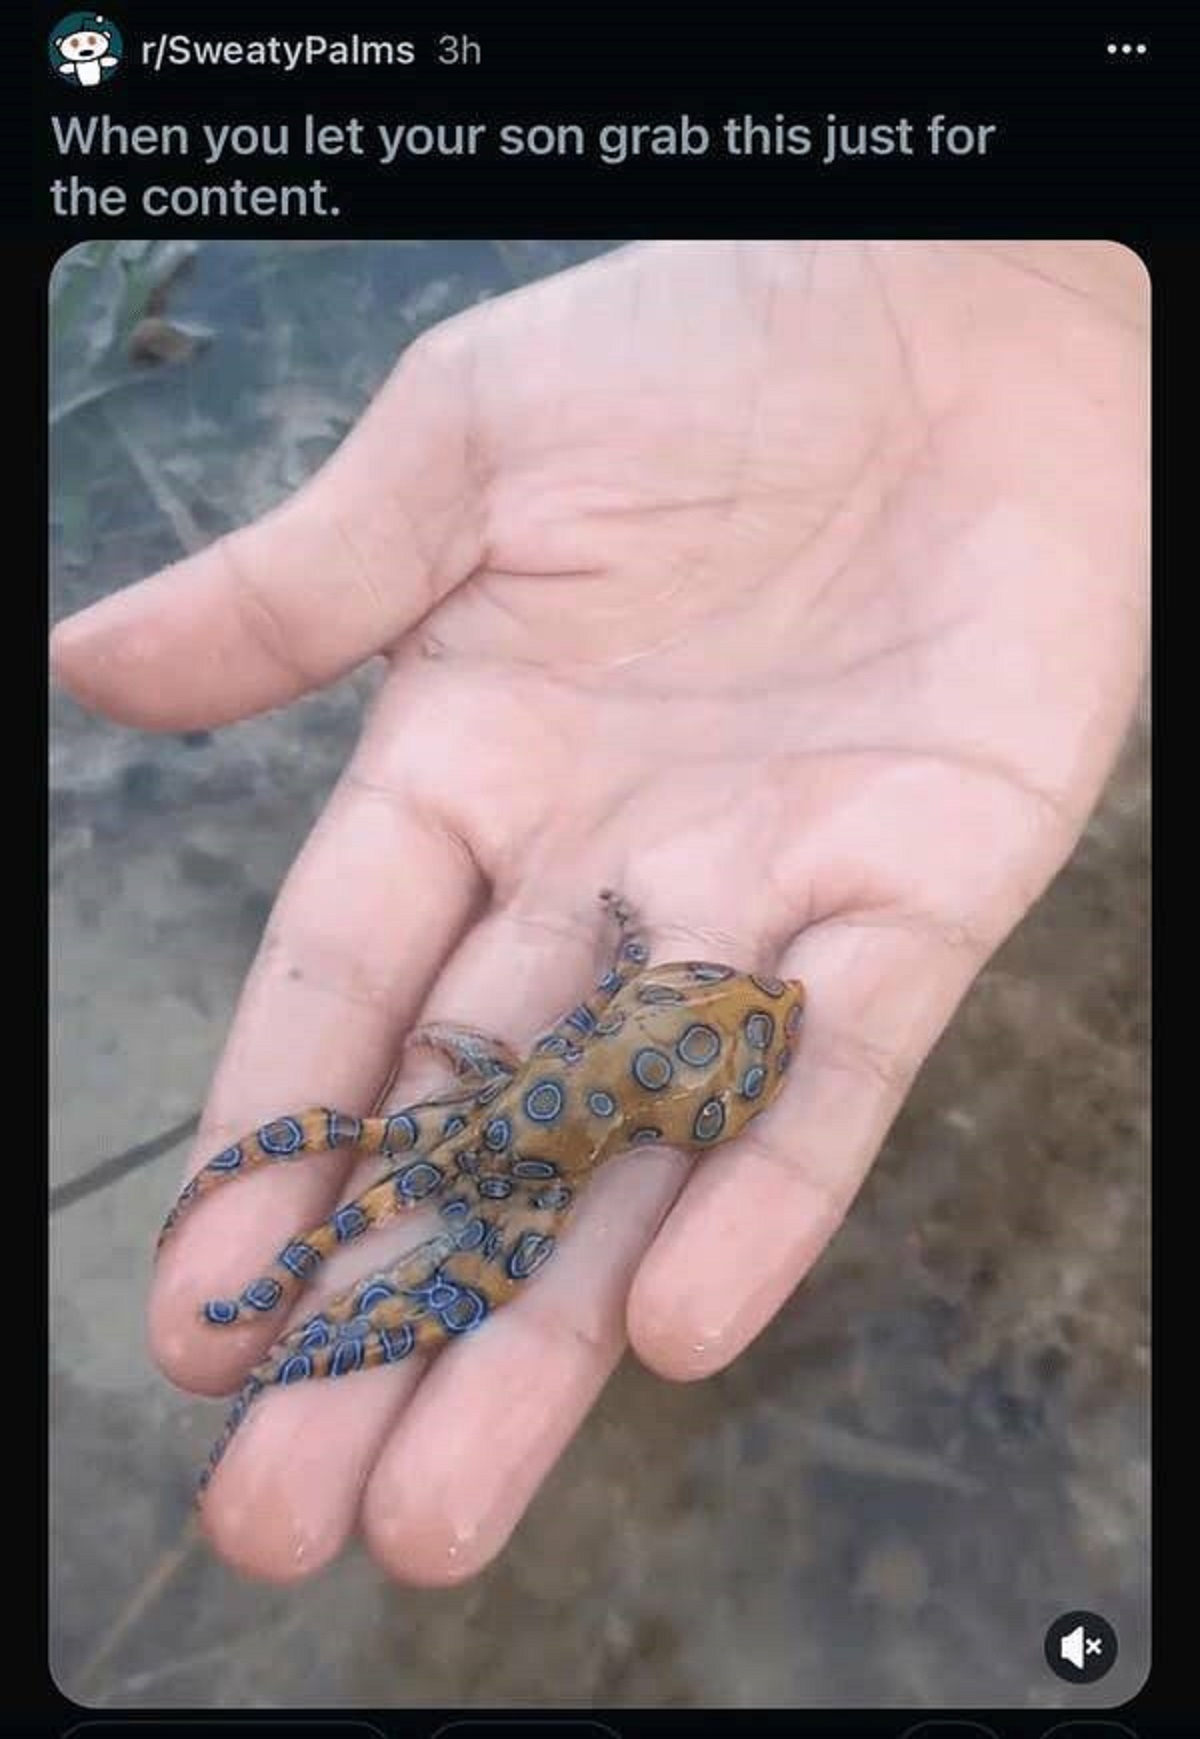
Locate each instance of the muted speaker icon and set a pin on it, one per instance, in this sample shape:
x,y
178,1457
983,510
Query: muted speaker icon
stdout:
x,y
1071,1647
1081,1647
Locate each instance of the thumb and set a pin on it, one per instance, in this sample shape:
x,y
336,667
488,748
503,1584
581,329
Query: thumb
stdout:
x,y
388,526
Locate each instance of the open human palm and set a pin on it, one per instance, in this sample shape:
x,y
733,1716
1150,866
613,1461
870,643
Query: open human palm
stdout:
x,y
796,591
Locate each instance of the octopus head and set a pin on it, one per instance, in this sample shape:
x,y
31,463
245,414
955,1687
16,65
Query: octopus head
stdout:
x,y
767,1036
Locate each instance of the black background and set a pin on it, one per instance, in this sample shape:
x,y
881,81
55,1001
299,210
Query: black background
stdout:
x,y
1089,145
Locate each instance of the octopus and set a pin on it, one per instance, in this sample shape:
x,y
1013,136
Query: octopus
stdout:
x,y
684,1053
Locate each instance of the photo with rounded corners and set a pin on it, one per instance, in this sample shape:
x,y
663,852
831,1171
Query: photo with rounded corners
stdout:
x,y
599,973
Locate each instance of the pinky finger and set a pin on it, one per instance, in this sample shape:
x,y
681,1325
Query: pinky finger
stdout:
x,y
752,1221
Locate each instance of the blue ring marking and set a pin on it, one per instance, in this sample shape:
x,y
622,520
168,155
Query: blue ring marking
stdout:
x,y
553,1045
465,1313
490,1089
299,1258
342,1131
699,1045
644,1136
295,1369
349,1222
354,1328
572,1054
533,1248
454,1124
636,951
455,1208
534,1168
263,1294
397,1343
704,972
493,1243
399,1132
785,1057
495,1188
418,1180
652,1069
229,1160
473,1234
612,1023
759,1029
544,1102
710,1121
498,1134
654,993
581,1018
347,1357
221,1311
316,1332
375,1292
769,986
795,1019
283,1137
610,982
439,1294
752,1082
557,1197
601,1104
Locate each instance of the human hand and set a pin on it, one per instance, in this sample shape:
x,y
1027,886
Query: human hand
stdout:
x,y
795,590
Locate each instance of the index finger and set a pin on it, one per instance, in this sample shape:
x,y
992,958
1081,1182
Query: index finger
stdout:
x,y
368,913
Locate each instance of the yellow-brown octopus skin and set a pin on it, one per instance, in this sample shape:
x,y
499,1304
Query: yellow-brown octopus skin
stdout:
x,y
684,1053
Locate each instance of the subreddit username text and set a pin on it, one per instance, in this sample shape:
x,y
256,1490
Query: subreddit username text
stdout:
x,y
283,53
